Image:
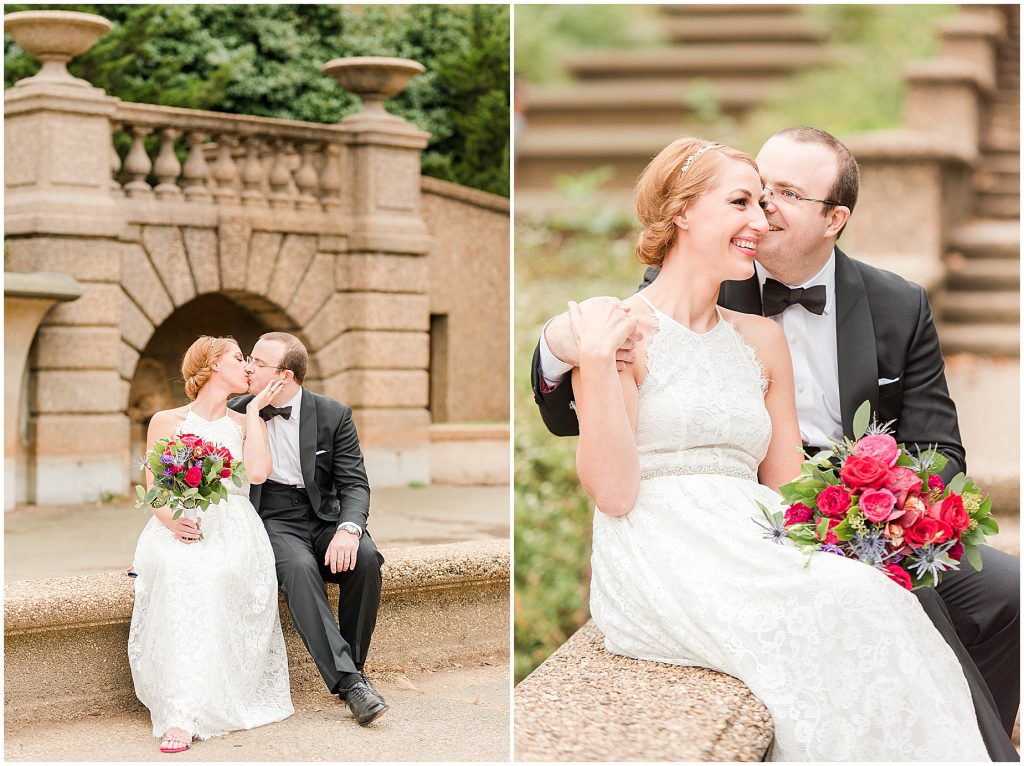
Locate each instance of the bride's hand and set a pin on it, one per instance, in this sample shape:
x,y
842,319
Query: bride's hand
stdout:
x,y
265,397
603,328
186,530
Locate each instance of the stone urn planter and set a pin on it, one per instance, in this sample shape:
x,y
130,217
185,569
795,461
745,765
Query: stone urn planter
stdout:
x,y
374,79
55,37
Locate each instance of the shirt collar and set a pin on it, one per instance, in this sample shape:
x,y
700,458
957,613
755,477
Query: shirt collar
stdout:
x,y
826,277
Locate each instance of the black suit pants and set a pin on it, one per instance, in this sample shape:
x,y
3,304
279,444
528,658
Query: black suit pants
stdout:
x,y
300,540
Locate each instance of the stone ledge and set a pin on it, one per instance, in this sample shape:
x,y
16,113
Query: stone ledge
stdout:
x,y
459,432
586,704
65,639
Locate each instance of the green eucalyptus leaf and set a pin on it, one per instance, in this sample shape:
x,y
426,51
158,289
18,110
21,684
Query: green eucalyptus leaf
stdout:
x,y
861,419
973,556
988,525
957,484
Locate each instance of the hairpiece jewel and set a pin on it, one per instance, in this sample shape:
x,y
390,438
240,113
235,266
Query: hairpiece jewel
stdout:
x,y
693,157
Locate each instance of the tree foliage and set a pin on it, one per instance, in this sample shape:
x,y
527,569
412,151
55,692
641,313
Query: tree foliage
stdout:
x,y
265,60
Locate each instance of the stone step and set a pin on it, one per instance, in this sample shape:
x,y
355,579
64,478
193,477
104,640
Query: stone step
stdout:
x,y
989,339
1001,161
733,27
733,9
987,238
979,307
984,274
629,102
545,152
65,637
756,62
586,704
998,205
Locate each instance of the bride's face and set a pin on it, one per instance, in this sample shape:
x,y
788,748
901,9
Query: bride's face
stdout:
x,y
231,369
724,225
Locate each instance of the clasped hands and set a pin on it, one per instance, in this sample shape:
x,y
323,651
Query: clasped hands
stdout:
x,y
595,328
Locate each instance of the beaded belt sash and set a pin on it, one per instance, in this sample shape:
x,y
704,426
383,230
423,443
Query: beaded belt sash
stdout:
x,y
691,470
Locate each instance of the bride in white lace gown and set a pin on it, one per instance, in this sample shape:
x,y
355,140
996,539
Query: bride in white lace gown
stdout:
x,y
206,650
672,450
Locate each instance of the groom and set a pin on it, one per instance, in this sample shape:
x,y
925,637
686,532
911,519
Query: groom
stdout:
x,y
855,333
314,506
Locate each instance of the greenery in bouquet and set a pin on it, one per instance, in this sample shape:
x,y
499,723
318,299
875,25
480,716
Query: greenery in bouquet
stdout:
x,y
188,473
871,500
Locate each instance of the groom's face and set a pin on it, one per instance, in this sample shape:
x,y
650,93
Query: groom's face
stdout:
x,y
797,239
267,356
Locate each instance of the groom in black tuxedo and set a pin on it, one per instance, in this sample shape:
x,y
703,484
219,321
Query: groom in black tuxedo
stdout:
x,y
855,333
314,506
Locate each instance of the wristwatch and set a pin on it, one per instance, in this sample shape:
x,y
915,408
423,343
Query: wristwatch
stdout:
x,y
351,527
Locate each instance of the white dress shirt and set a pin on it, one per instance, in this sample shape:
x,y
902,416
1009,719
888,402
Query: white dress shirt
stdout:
x,y
812,344
284,445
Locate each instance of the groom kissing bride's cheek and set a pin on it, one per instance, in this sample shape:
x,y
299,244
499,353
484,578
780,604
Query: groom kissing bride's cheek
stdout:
x,y
689,413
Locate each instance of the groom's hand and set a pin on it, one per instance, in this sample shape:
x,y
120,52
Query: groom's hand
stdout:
x,y
341,553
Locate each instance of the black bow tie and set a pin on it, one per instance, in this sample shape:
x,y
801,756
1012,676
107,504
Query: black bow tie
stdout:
x,y
777,298
269,412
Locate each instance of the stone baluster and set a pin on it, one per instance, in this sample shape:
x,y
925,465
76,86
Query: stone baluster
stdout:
x,y
252,173
196,172
167,168
225,171
306,178
115,164
137,164
280,176
330,177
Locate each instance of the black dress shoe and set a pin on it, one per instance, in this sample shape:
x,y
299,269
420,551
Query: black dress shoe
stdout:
x,y
372,687
364,702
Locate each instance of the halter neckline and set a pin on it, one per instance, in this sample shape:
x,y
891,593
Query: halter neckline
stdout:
x,y
656,310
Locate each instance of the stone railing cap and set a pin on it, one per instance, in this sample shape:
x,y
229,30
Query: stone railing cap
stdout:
x,y
902,145
951,70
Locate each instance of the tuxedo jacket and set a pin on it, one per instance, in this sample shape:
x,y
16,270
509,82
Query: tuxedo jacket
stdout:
x,y
884,330
330,459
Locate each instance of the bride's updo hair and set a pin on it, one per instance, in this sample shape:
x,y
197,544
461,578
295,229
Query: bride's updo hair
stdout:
x,y
195,365
680,173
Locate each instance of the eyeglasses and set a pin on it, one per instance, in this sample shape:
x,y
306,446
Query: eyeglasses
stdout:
x,y
791,196
254,362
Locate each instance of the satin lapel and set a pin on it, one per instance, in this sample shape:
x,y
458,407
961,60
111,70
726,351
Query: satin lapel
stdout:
x,y
855,342
307,448
742,296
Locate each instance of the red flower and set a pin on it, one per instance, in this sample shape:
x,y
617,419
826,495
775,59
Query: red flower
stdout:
x,y
935,483
902,482
223,453
950,511
225,473
927,530
864,472
177,468
190,440
899,575
834,501
877,504
193,476
797,513
830,536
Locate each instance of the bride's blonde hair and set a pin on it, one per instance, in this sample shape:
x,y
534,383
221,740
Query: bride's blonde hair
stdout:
x,y
678,174
201,355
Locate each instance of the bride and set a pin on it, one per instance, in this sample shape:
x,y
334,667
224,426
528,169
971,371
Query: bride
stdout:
x,y
205,647
678,448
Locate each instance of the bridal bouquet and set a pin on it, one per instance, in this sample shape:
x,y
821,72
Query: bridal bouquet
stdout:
x,y
871,500
188,473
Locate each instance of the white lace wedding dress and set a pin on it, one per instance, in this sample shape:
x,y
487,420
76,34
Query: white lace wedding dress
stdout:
x,y
205,648
846,661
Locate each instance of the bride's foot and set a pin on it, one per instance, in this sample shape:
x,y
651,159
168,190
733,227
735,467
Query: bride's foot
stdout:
x,y
176,741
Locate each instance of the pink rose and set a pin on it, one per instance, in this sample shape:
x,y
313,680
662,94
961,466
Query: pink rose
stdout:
x,y
881,447
902,482
797,513
877,504
834,501
861,472
193,476
190,440
899,575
